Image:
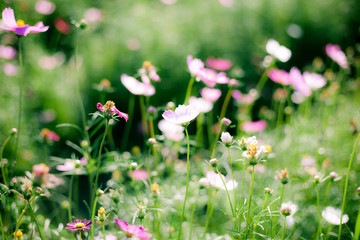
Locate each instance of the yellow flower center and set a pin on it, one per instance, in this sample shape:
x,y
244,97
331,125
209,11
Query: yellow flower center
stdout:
x,y
108,105
101,211
20,23
79,225
147,64
18,234
155,188
252,149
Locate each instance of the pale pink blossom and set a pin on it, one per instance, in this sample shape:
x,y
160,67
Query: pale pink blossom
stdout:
x,y
210,77
332,216
62,26
22,29
297,97
298,82
201,104
280,52
171,131
338,56
139,174
169,2
7,52
244,99
93,15
252,127
279,76
10,69
210,94
227,3
218,63
194,65
40,170
147,72
182,115
45,7
71,165
213,179
52,181
133,230
136,87
314,80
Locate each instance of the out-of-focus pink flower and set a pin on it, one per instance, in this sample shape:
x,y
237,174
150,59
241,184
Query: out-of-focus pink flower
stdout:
x,y
147,72
252,127
50,62
45,7
338,56
210,94
7,52
51,181
227,3
62,26
49,135
19,26
139,174
240,98
93,15
133,44
314,80
70,165
110,109
279,76
280,52
171,131
107,237
259,168
133,230
10,69
194,65
136,87
40,170
168,2
218,64
297,80
297,97
210,77
215,181
201,104
182,115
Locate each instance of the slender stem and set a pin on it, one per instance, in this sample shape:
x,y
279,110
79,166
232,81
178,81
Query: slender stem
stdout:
x,y
250,197
157,218
215,141
327,189
1,160
131,107
208,211
187,180
143,116
243,179
152,134
80,235
318,211
280,113
93,216
232,175
283,233
255,224
227,193
346,185
2,228
103,228
193,213
357,227
36,222
266,195
282,194
226,103
20,217
97,175
70,197
188,90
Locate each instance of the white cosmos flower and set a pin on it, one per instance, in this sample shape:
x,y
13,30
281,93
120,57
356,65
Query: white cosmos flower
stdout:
x,y
213,179
280,52
171,131
183,114
201,104
332,216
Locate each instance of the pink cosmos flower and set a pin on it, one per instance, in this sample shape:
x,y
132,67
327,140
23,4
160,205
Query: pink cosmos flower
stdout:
x,y
136,87
147,72
133,230
93,15
19,26
182,115
10,69
210,77
7,52
298,82
194,65
280,52
45,7
213,179
251,127
338,56
227,3
107,237
240,98
201,104
40,170
62,26
139,174
279,76
171,131
49,135
110,109
210,94
79,225
51,181
70,165
314,80
218,64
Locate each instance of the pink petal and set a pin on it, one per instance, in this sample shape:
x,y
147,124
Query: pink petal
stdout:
x,y
279,76
136,87
298,82
121,114
99,106
257,126
210,94
219,64
8,18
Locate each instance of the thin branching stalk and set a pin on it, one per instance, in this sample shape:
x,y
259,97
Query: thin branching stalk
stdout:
x,y
21,216
93,216
232,175
209,209
226,103
193,213
1,160
70,197
318,210
143,116
283,233
250,197
357,226
103,229
152,134
282,194
36,222
243,179
327,190
188,90
187,181
346,185
2,228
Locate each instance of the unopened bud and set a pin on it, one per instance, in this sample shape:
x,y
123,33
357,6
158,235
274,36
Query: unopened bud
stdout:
x,y
226,138
333,175
13,131
152,141
39,190
233,83
214,162
101,214
358,191
141,211
151,110
285,211
84,144
317,178
133,165
18,234
155,189
268,190
225,121
170,105
99,192
83,24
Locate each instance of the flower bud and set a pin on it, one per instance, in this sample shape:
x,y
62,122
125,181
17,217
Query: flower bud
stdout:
x,y
155,189
233,83
13,132
99,192
226,138
152,141
83,24
317,178
268,190
214,162
170,105
203,182
225,121
101,214
333,175
358,191
39,191
84,144
141,213
133,166
285,211
18,234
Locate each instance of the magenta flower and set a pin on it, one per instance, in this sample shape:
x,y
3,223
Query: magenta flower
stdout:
x,y
210,77
79,225
279,76
252,127
297,80
338,56
133,230
7,52
110,110
182,115
19,26
194,65
49,135
136,87
210,94
218,64
314,80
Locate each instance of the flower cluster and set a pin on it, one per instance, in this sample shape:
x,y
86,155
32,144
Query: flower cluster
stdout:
x,y
254,151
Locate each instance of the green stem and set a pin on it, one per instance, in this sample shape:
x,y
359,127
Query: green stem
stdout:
x,y
20,217
1,160
152,134
208,211
103,228
228,195
213,146
188,90
250,197
36,222
97,175
226,103
157,219
280,114
318,211
80,235
255,224
243,179
283,233
70,197
2,228
93,216
187,180
266,195
282,194
143,116
131,107
193,213
357,227
327,189
232,175
346,185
